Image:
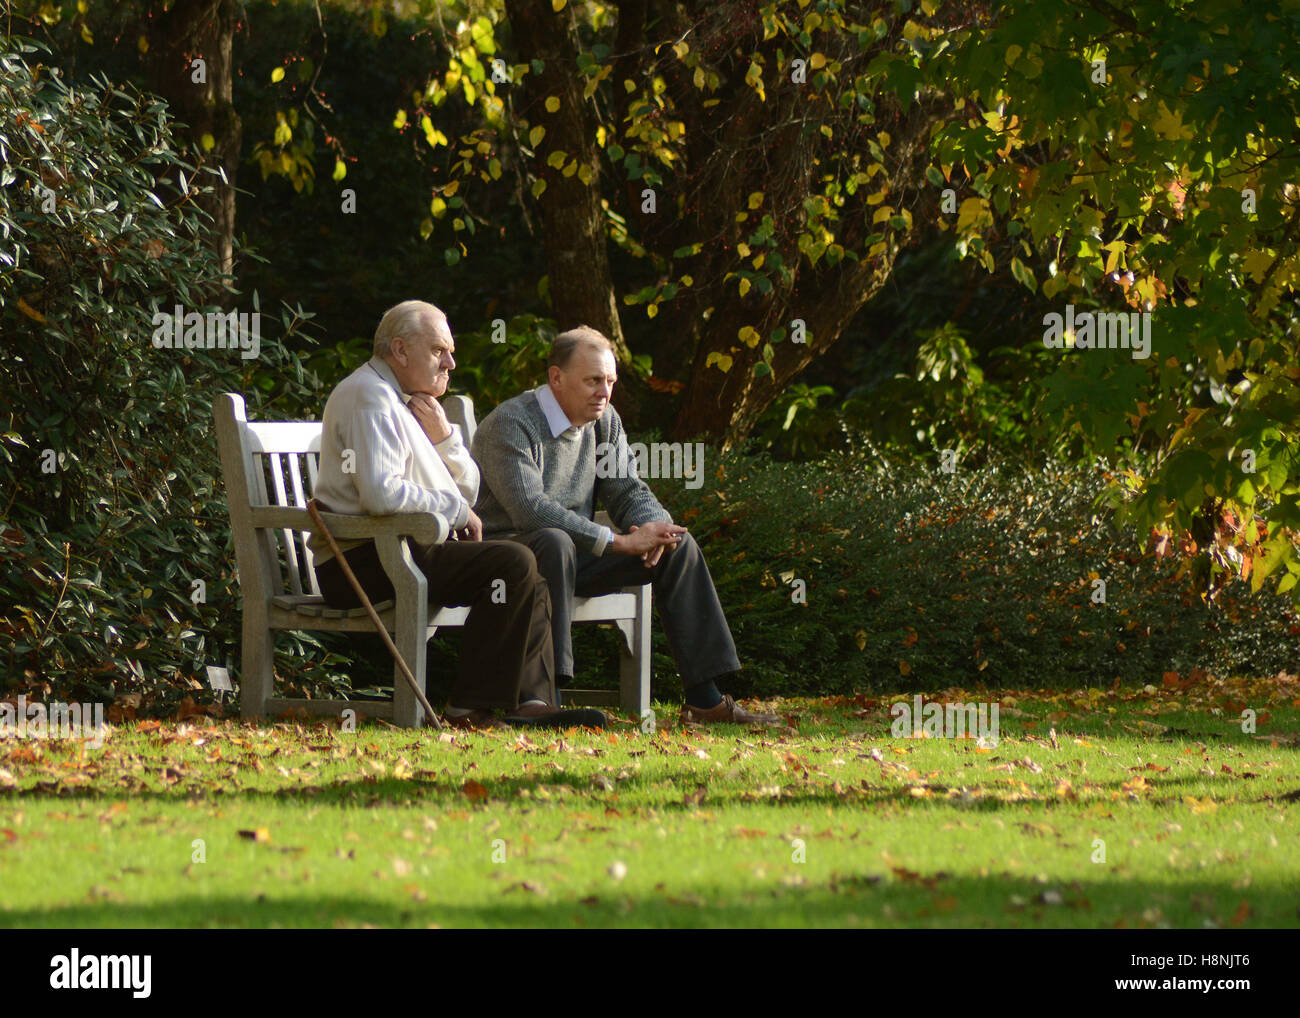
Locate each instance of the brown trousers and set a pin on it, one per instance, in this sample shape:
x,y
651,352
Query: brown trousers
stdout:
x,y
506,656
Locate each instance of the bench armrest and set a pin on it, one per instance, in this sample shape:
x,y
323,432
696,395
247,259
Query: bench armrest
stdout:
x,y
427,528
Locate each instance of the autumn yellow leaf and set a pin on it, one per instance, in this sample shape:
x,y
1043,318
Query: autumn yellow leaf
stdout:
x,y
30,311
973,212
1256,263
1116,248
1169,124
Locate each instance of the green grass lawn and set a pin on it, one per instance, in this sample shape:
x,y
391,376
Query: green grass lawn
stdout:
x,y
832,822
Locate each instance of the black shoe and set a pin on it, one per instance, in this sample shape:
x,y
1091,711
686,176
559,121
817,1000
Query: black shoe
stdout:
x,y
573,717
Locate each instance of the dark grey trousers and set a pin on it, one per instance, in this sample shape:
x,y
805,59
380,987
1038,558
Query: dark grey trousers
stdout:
x,y
697,630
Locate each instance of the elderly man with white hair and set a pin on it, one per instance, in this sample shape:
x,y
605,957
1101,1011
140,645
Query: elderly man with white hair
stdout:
x,y
387,447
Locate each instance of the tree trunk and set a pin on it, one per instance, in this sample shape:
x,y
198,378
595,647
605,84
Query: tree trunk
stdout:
x,y
179,34
572,217
573,221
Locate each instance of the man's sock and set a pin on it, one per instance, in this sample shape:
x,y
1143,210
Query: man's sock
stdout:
x,y
703,695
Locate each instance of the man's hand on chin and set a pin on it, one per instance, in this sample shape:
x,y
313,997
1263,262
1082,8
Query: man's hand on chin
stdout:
x,y
428,412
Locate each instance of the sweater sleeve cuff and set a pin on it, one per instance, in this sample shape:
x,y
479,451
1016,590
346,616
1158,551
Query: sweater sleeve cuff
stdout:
x,y
603,542
462,517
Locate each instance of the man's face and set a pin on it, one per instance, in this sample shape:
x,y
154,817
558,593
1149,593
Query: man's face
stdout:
x,y
423,363
584,385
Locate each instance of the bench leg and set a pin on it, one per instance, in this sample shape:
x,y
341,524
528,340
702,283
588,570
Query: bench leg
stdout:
x,y
634,661
410,641
411,618
257,667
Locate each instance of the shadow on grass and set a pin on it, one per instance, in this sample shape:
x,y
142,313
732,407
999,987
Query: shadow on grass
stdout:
x,y
691,792
870,898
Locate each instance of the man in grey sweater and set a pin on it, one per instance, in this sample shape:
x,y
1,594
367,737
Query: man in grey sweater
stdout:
x,y
537,456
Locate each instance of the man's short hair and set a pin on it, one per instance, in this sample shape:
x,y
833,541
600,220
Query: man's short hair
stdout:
x,y
409,319
564,345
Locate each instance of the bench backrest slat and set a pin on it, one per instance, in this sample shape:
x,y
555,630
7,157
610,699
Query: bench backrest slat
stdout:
x,y
292,573
300,497
284,436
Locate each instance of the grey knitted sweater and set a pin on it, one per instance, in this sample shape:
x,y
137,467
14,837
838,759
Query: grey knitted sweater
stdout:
x,y
531,480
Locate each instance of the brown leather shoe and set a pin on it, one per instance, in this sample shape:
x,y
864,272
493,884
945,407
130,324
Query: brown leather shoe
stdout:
x,y
728,712
475,719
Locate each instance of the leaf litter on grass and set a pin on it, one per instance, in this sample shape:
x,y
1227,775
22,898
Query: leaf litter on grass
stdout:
x,y
1096,763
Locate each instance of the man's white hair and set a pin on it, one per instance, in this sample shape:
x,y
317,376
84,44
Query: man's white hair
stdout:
x,y
411,320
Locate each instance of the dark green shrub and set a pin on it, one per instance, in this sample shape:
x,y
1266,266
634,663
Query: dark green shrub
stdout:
x,y
917,578
112,504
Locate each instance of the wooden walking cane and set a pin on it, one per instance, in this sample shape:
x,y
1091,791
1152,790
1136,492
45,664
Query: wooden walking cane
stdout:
x,y
429,712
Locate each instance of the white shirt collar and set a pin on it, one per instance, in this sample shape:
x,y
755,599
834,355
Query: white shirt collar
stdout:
x,y
385,371
555,417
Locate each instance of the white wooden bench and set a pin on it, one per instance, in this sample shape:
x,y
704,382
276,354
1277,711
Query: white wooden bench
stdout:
x,y
270,472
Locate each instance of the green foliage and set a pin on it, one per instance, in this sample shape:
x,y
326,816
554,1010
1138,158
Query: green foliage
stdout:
x,y
919,578
349,261
949,402
113,502
1142,156
795,425
502,360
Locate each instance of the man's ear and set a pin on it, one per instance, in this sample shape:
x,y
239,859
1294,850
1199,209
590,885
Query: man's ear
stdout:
x,y
553,375
397,350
